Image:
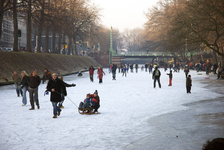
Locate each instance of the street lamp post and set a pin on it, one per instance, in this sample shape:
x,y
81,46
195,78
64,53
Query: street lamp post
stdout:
x,y
111,46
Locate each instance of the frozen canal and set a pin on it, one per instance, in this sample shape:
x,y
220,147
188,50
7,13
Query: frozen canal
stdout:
x,y
127,106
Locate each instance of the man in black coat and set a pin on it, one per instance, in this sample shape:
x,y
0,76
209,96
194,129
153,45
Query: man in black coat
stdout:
x,y
114,68
34,82
57,87
156,76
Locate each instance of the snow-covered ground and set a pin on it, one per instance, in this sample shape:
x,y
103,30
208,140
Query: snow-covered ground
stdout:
x,y
126,106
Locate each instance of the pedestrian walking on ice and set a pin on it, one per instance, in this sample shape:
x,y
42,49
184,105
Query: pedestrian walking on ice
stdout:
x,y
24,87
188,84
114,68
16,78
91,72
100,73
170,78
57,87
34,82
156,76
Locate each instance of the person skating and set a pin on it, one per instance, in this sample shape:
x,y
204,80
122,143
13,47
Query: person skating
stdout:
x,y
91,72
16,78
57,87
62,96
24,87
100,73
146,67
124,71
136,67
34,82
114,68
170,78
188,84
156,76
46,75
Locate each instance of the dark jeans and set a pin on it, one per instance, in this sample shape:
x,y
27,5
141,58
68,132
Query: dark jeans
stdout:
x,y
18,89
188,89
114,75
33,95
56,109
91,77
157,79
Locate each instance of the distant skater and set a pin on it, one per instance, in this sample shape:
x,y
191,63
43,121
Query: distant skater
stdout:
x,y
170,78
188,84
17,79
100,73
91,72
156,76
114,68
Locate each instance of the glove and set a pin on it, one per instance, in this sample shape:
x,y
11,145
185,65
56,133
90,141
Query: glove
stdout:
x,y
73,84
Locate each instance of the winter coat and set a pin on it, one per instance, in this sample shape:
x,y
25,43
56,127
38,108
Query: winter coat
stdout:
x,y
100,73
91,102
188,81
24,81
170,75
91,70
136,66
59,87
114,68
34,81
47,76
16,78
97,98
156,73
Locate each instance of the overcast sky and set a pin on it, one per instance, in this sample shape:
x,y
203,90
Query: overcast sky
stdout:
x,y
123,14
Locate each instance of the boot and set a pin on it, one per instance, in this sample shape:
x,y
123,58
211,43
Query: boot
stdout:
x,y
54,116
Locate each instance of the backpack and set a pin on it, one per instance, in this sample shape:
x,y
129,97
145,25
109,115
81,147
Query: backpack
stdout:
x,y
157,73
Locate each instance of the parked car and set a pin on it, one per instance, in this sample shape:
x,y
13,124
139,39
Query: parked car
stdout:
x,y
9,49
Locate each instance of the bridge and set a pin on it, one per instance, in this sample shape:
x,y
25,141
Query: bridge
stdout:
x,y
120,57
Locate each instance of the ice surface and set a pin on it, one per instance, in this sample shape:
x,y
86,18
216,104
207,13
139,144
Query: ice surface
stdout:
x,y
126,106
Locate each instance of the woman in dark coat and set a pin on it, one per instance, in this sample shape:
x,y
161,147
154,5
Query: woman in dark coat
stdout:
x,y
24,86
57,87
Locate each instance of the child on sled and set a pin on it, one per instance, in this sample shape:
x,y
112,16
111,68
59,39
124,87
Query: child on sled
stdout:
x,y
88,104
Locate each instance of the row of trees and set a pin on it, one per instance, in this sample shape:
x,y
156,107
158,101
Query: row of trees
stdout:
x,y
182,26
72,18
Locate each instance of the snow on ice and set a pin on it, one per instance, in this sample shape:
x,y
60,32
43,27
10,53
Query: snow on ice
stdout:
x,y
126,106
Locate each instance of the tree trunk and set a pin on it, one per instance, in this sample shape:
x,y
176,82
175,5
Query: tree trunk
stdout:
x,y
59,44
63,41
1,15
215,57
40,28
53,40
69,45
46,40
28,34
15,22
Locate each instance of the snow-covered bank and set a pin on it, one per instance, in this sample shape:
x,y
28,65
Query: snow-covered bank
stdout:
x,y
126,106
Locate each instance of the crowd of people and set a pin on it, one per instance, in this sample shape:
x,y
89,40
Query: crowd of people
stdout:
x,y
57,86
31,82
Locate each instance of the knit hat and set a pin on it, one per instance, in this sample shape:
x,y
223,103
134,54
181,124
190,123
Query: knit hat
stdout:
x,y
96,92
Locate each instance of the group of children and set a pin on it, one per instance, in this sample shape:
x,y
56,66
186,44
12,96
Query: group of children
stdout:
x,y
91,104
188,81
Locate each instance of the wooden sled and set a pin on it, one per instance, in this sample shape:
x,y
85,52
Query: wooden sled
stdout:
x,y
86,111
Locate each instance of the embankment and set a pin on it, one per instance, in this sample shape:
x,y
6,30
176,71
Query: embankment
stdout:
x,y
61,64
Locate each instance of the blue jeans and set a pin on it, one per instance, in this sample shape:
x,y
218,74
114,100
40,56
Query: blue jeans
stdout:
x,y
56,109
25,88
18,89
